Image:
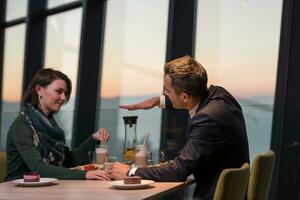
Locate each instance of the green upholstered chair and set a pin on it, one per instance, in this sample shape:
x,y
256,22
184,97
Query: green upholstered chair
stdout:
x,y
2,166
232,183
260,176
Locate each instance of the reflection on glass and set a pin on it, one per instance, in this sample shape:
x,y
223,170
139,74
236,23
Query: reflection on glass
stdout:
x,y
62,50
134,56
54,3
229,42
12,77
15,9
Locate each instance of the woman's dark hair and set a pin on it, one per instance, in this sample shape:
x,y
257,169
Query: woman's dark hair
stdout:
x,y
43,78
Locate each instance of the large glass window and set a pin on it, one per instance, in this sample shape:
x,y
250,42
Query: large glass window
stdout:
x,y
14,45
62,51
134,56
15,9
237,42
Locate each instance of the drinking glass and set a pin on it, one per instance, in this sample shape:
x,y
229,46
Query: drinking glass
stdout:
x,y
101,153
141,156
109,161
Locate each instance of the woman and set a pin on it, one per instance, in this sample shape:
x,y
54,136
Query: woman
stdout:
x,y
35,143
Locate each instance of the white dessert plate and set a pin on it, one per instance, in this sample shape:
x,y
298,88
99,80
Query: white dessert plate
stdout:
x,y
42,182
120,184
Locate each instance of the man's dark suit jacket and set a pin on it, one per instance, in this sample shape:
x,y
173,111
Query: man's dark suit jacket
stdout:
x,y
216,139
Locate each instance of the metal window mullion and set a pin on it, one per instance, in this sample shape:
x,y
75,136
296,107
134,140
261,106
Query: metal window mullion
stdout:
x,y
15,22
34,40
89,69
2,30
63,8
285,126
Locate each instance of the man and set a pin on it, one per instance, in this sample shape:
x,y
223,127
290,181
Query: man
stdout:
x,y
216,134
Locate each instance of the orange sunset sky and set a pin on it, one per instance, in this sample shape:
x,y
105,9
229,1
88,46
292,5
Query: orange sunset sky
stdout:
x,y
239,53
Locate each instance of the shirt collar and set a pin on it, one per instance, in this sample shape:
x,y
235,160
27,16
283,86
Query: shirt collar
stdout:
x,y
193,110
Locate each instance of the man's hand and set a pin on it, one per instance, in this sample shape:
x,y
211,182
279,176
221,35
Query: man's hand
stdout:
x,y
118,171
145,105
97,175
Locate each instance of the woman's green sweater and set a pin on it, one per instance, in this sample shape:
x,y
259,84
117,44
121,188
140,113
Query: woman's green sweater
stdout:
x,y
23,157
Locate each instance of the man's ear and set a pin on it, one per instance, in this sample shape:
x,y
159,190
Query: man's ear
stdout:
x,y
185,97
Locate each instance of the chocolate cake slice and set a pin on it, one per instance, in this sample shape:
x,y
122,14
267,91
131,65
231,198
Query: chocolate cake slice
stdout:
x,y
132,180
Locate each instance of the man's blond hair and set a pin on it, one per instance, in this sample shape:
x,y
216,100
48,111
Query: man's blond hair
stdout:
x,y
187,75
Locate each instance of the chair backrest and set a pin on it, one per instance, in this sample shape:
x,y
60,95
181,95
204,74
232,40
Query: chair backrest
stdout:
x,y
232,183
260,176
2,166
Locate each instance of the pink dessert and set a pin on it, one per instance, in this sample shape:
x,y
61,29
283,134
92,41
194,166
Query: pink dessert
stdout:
x,y
31,177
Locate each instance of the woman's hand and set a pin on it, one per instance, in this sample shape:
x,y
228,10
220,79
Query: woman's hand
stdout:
x,y
97,175
101,135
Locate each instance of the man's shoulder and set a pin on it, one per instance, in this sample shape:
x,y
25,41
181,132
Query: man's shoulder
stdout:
x,y
220,106
213,109
218,92
219,100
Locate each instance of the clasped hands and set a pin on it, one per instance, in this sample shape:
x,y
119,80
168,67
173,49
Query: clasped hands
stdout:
x,y
115,171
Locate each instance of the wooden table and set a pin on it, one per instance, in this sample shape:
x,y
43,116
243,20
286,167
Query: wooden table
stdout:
x,y
86,190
